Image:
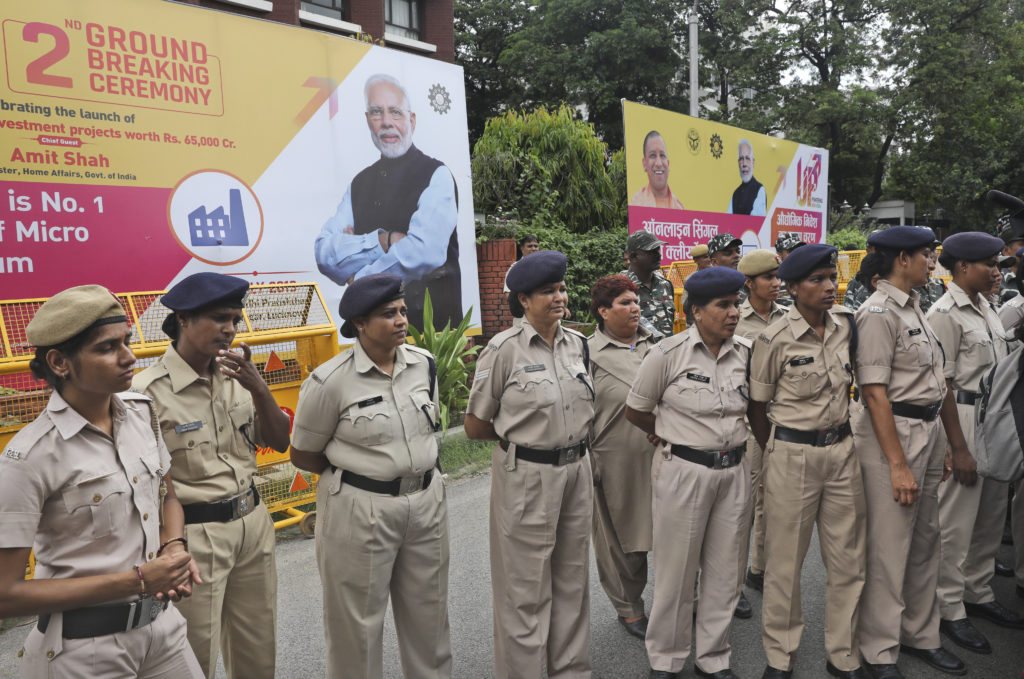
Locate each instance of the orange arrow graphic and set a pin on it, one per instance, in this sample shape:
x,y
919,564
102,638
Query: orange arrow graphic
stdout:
x,y
325,89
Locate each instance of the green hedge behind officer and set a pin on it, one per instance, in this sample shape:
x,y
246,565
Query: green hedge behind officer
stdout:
x,y
533,392
214,410
696,381
800,378
901,449
366,421
85,484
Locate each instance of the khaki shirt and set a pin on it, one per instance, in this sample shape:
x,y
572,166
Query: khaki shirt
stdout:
x,y
972,337
87,503
621,450
700,398
751,324
366,421
537,396
205,423
896,347
805,378
1011,314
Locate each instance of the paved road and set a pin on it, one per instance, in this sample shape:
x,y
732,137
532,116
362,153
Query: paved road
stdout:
x,y
615,654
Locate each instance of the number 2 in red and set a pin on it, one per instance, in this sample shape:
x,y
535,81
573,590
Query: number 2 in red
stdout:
x,y
35,72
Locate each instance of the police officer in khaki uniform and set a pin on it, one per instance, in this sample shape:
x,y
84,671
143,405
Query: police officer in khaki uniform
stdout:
x,y
622,453
366,421
214,410
901,449
800,377
697,382
85,484
972,510
532,391
757,312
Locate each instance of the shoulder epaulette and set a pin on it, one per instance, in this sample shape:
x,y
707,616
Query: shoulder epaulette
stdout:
x,y
146,377
19,447
503,337
769,334
574,332
840,309
875,309
134,394
419,350
669,343
325,369
742,341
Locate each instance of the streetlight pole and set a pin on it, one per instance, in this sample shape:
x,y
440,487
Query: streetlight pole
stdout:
x,y
693,60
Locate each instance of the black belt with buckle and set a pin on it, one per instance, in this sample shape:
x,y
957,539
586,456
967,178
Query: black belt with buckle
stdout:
x,y
967,398
555,456
927,413
819,438
98,621
403,485
721,459
224,510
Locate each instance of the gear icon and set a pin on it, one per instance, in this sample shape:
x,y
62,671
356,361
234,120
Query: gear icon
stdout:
x,y
716,146
439,99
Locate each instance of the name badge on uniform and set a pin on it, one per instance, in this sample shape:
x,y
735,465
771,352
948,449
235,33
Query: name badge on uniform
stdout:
x,y
188,426
370,401
801,361
535,368
915,331
704,379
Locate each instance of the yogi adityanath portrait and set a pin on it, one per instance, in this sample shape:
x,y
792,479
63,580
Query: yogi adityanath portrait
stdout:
x,y
656,193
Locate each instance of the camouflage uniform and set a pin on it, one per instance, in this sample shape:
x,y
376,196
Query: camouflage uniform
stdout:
x,y
930,293
856,293
657,302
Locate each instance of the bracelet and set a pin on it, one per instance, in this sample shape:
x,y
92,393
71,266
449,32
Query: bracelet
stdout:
x,y
171,541
142,581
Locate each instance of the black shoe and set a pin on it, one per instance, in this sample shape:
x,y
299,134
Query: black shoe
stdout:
x,y
964,634
720,674
993,611
638,628
939,658
881,671
843,674
743,609
662,674
1002,570
773,673
755,580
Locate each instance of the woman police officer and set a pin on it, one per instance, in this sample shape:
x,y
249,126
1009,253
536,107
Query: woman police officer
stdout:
x,y
85,485
696,380
366,421
800,373
972,510
901,450
622,454
532,391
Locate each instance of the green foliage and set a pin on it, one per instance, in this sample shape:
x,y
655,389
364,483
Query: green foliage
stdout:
x,y
850,238
455,359
546,168
461,456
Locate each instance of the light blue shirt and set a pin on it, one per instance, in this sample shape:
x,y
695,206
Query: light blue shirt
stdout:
x,y
341,256
760,208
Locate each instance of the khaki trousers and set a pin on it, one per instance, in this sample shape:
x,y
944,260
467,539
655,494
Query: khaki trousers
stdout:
x,y
540,563
1017,524
805,485
623,575
755,546
369,547
899,603
157,651
700,520
971,520
234,611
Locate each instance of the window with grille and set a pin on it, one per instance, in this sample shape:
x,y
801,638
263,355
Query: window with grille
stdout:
x,y
402,17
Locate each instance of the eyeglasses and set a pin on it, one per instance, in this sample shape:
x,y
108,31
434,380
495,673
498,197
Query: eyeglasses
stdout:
x,y
377,113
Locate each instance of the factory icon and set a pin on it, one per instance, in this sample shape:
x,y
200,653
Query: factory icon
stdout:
x,y
219,227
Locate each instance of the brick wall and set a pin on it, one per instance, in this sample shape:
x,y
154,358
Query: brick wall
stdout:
x,y
369,15
493,259
438,27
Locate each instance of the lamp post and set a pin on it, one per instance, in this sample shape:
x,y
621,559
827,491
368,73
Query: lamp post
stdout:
x,y
693,60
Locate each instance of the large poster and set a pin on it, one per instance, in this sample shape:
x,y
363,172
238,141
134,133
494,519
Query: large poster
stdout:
x,y
142,141
690,179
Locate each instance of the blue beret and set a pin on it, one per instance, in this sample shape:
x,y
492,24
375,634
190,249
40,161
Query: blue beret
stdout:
x,y
533,271
806,259
715,281
366,294
972,246
205,289
1020,251
902,237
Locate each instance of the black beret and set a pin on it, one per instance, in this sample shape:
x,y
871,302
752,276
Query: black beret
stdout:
x,y
902,237
366,294
715,281
205,289
540,268
972,246
806,259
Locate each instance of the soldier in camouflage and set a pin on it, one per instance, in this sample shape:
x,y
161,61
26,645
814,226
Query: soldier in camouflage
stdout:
x,y
657,296
785,244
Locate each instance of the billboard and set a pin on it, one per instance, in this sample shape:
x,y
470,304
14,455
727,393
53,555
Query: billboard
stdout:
x,y
690,179
141,142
